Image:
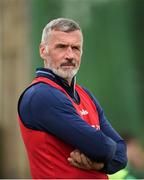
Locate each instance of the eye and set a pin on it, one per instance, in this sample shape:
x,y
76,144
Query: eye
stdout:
x,y
76,48
62,46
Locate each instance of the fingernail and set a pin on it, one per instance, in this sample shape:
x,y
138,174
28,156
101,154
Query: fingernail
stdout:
x,y
69,159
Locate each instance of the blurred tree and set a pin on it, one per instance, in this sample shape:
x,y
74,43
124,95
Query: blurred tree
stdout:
x,y
14,74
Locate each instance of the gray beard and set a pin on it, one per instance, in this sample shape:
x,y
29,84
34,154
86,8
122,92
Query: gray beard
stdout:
x,y
68,75
65,74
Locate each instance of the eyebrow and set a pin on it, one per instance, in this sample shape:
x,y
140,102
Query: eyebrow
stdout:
x,y
65,44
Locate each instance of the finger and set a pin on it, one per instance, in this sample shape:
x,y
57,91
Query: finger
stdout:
x,y
70,160
77,165
98,166
85,161
76,156
89,161
74,163
74,151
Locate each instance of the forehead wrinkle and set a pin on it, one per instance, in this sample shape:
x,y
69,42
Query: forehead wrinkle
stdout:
x,y
66,37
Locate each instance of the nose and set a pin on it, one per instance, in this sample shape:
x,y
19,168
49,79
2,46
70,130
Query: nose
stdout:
x,y
69,53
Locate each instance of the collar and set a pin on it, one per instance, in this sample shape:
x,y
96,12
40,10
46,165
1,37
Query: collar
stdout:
x,y
57,79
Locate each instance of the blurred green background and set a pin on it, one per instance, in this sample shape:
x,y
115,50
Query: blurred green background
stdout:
x,y
113,55
112,63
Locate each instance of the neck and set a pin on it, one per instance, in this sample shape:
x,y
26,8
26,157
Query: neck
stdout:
x,y
69,80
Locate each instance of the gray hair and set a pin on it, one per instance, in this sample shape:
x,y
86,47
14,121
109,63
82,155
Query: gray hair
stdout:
x,y
60,24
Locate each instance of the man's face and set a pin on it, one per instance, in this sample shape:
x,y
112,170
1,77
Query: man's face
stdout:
x,y
64,53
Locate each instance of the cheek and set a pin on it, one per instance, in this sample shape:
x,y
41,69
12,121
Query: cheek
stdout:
x,y
78,59
57,56
56,61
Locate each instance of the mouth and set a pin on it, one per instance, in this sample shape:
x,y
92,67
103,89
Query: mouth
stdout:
x,y
68,65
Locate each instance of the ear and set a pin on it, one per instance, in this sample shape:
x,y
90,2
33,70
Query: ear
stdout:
x,y
43,50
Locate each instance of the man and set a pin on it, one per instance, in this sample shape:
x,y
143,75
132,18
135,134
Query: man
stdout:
x,y
64,129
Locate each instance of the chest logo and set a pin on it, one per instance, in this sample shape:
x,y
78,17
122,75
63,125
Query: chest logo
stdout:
x,y
96,126
83,112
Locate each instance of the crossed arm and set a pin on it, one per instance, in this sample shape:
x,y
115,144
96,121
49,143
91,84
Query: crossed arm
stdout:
x,y
52,112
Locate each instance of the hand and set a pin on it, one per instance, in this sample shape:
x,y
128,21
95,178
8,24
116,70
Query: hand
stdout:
x,y
79,160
